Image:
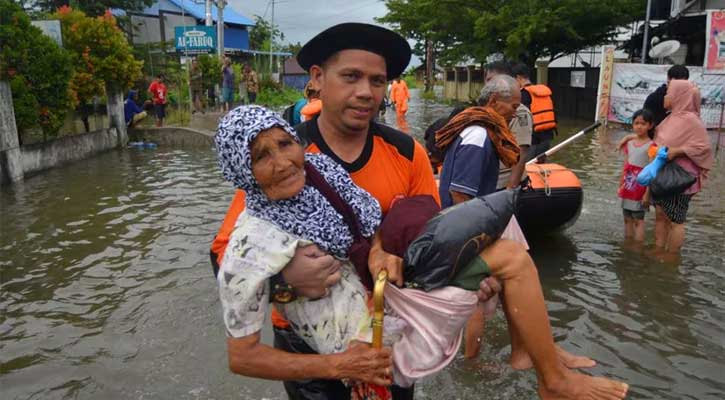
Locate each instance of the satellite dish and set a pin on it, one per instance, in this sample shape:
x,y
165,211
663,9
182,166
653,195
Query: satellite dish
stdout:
x,y
664,49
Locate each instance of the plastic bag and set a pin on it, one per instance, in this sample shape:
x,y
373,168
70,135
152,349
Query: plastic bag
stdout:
x,y
671,180
454,236
650,171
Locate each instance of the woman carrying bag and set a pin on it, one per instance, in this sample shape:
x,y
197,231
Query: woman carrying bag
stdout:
x,y
688,145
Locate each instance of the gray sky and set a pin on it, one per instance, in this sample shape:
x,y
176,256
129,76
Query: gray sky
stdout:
x,y
300,20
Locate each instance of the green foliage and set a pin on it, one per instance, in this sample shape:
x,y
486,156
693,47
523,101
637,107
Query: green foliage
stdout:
x,y
38,71
90,7
101,54
523,29
429,95
410,81
211,68
274,95
260,34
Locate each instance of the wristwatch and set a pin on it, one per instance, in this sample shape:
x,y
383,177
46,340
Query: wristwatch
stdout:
x,y
282,292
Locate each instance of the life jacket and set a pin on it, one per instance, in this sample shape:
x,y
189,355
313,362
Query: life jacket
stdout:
x,y
542,107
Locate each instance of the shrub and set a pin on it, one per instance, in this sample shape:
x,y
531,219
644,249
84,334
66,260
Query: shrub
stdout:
x,y
211,68
100,52
38,71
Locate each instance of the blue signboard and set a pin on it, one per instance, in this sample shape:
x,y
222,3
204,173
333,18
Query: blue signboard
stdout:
x,y
195,39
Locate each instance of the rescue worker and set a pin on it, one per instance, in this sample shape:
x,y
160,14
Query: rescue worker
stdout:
x,y
538,99
399,95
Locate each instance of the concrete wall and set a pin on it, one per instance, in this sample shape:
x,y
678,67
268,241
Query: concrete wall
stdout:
x,y
17,161
463,87
176,137
10,158
42,156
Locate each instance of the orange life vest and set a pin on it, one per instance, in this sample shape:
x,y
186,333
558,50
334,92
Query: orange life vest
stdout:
x,y
542,107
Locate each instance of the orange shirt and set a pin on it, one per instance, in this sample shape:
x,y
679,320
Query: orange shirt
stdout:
x,y
392,165
312,108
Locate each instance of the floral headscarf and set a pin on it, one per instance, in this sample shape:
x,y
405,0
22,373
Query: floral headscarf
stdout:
x,y
308,214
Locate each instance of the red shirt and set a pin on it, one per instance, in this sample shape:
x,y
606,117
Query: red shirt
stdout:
x,y
158,90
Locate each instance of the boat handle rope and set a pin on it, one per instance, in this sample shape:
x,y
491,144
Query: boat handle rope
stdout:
x,y
544,174
379,308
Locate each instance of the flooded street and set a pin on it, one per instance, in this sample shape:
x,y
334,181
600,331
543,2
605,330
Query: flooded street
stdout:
x,y
106,290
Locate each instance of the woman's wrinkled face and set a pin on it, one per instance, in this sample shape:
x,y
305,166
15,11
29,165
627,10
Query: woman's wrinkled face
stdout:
x,y
278,164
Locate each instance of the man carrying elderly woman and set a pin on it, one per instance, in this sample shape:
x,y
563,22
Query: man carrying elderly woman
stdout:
x,y
320,350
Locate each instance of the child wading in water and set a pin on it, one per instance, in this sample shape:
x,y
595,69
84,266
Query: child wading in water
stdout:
x,y
635,197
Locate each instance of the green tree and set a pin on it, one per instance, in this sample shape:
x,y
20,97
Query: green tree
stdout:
x,y
90,7
37,69
101,54
522,29
259,36
211,69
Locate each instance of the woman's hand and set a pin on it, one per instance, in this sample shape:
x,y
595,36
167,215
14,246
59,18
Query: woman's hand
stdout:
x,y
379,260
674,152
361,362
311,272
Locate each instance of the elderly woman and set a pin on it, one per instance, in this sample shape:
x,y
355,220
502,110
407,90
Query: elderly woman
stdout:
x,y
260,153
686,138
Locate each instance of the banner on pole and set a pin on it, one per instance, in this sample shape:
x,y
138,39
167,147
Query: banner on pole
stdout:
x,y
632,83
605,83
715,39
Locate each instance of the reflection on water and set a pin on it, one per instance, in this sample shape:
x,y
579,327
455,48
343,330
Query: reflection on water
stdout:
x,y
106,291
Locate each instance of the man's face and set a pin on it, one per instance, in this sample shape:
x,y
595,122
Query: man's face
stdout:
x,y
352,84
506,107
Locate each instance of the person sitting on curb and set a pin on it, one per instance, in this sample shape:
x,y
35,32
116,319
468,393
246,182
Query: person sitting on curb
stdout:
x,y
132,113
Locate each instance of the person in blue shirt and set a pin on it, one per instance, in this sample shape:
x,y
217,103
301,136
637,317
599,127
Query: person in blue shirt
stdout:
x,y
471,164
309,93
132,113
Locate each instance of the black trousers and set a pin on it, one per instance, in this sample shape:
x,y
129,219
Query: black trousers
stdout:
x,y
319,389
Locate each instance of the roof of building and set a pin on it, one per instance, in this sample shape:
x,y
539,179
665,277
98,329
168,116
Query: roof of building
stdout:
x,y
198,10
291,66
194,9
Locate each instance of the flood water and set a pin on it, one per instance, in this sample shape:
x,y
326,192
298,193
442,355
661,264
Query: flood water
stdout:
x,y
106,290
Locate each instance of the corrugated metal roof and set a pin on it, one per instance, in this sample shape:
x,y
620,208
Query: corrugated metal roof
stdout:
x,y
198,11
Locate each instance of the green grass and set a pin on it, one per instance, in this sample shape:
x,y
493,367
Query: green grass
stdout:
x,y
410,80
274,98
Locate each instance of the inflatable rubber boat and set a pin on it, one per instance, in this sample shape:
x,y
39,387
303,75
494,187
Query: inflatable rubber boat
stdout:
x,y
551,199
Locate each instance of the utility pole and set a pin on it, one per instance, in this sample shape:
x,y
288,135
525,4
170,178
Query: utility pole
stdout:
x,y
220,26
646,32
428,65
209,21
271,42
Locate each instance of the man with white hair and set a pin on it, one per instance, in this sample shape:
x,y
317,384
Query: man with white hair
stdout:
x,y
471,163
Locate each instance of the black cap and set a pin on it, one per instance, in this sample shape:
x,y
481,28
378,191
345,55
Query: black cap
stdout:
x,y
356,36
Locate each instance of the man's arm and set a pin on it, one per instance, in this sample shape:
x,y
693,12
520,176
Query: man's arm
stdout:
x,y
459,197
518,170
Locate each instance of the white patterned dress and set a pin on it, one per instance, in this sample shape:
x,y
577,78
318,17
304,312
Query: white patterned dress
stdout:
x,y
258,250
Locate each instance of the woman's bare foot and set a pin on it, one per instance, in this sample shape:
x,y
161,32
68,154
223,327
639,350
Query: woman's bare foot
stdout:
x,y
576,386
521,360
